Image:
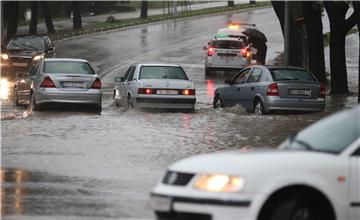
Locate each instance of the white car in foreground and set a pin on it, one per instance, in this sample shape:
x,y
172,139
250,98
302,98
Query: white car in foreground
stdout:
x,y
155,86
314,175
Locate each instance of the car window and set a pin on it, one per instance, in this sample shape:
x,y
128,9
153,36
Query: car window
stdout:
x,y
26,43
357,152
242,76
68,67
254,75
162,72
228,44
331,135
131,74
291,74
265,77
34,69
127,72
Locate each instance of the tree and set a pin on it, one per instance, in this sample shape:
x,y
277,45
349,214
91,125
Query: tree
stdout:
x,y
77,24
12,12
315,41
230,3
34,17
47,17
144,9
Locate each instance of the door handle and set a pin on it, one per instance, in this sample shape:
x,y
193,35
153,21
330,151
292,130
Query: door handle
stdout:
x,y
238,89
252,88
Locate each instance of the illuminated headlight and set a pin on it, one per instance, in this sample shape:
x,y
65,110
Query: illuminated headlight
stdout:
x,y
4,56
219,183
38,57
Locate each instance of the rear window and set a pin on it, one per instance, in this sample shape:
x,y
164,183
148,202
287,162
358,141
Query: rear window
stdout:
x,y
291,74
162,72
68,67
228,44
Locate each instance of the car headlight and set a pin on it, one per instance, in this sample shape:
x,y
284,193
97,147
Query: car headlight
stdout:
x,y
219,183
4,56
38,57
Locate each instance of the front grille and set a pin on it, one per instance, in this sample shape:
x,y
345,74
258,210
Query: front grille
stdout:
x,y
177,178
182,216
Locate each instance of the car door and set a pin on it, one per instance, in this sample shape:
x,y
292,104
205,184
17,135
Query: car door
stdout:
x,y
355,185
122,85
24,86
232,94
251,87
130,83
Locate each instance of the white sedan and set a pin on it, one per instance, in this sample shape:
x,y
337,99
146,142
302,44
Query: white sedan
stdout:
x,y
314,175
155,86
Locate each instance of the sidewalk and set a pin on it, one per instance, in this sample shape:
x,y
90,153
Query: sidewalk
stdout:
x,y
87,20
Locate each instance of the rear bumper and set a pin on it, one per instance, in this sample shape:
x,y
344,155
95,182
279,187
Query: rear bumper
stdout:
x,y
181,103
312,105
92,96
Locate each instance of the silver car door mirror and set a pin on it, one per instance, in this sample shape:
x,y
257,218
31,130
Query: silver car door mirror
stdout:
x,y
119,79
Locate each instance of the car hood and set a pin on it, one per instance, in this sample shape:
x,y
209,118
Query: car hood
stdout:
x,y
167,83
24,53
258,161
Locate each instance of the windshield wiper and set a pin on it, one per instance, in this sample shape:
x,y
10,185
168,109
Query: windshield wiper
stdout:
x,y
31,47
304,144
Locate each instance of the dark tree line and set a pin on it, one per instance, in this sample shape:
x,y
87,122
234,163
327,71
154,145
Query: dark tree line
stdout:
x,y
310,12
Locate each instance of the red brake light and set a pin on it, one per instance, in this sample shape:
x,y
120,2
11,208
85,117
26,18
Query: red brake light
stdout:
x,y
188,92
322,91
244,52
96,84
272,90
145,91
210,51
47,83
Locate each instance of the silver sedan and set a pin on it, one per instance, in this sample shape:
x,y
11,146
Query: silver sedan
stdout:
x,y
155,86
59,80
261,89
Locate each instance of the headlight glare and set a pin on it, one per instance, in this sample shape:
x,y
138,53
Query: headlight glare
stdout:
x,y
4,56
219,183
38,57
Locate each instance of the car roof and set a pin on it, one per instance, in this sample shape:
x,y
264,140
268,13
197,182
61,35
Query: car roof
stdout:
x,y
158,64
231,31
66,59
227,39
271,67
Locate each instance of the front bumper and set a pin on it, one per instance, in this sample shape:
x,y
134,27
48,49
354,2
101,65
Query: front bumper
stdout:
x,y
53,95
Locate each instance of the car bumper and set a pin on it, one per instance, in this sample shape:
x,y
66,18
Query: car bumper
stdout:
x,y
166,102
92,96
178,207
314,105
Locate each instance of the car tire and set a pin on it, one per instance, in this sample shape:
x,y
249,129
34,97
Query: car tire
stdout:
x,y
299,208
98,108
218,102
16,98
33,105
207,70
259,107
130,104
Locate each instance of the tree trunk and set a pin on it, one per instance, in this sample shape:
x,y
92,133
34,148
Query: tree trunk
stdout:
x,y
336,12
13,14
34,17
356,5
231,4
144,9
76,6
47,17
315,41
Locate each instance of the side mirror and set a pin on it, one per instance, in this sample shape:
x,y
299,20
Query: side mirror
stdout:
x,y
51,49
119,79
205,48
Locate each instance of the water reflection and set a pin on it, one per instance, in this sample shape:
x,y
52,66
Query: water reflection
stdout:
x,y
4,89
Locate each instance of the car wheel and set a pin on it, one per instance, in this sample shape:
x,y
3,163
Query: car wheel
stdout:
x,y
299,208
218,102
33,105
130,104
259,107
16,98
98,108
207,71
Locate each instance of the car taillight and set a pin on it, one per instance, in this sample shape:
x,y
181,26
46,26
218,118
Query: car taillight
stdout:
x,y
188,92
322,91
96,84
47,83
273,90
245,53
145,91
210,51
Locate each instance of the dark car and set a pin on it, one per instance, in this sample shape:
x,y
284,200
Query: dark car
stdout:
x,y
261,89
22,50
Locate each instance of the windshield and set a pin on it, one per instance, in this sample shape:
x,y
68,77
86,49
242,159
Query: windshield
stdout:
x,y
291,74
332,134
68,67
228,44
162,72
27,43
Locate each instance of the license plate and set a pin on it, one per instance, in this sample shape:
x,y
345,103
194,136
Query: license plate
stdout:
x,y
72,84
160,203
300,92
167,92
20,64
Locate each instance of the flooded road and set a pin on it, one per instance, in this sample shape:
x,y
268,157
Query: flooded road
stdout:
x,y
74,164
